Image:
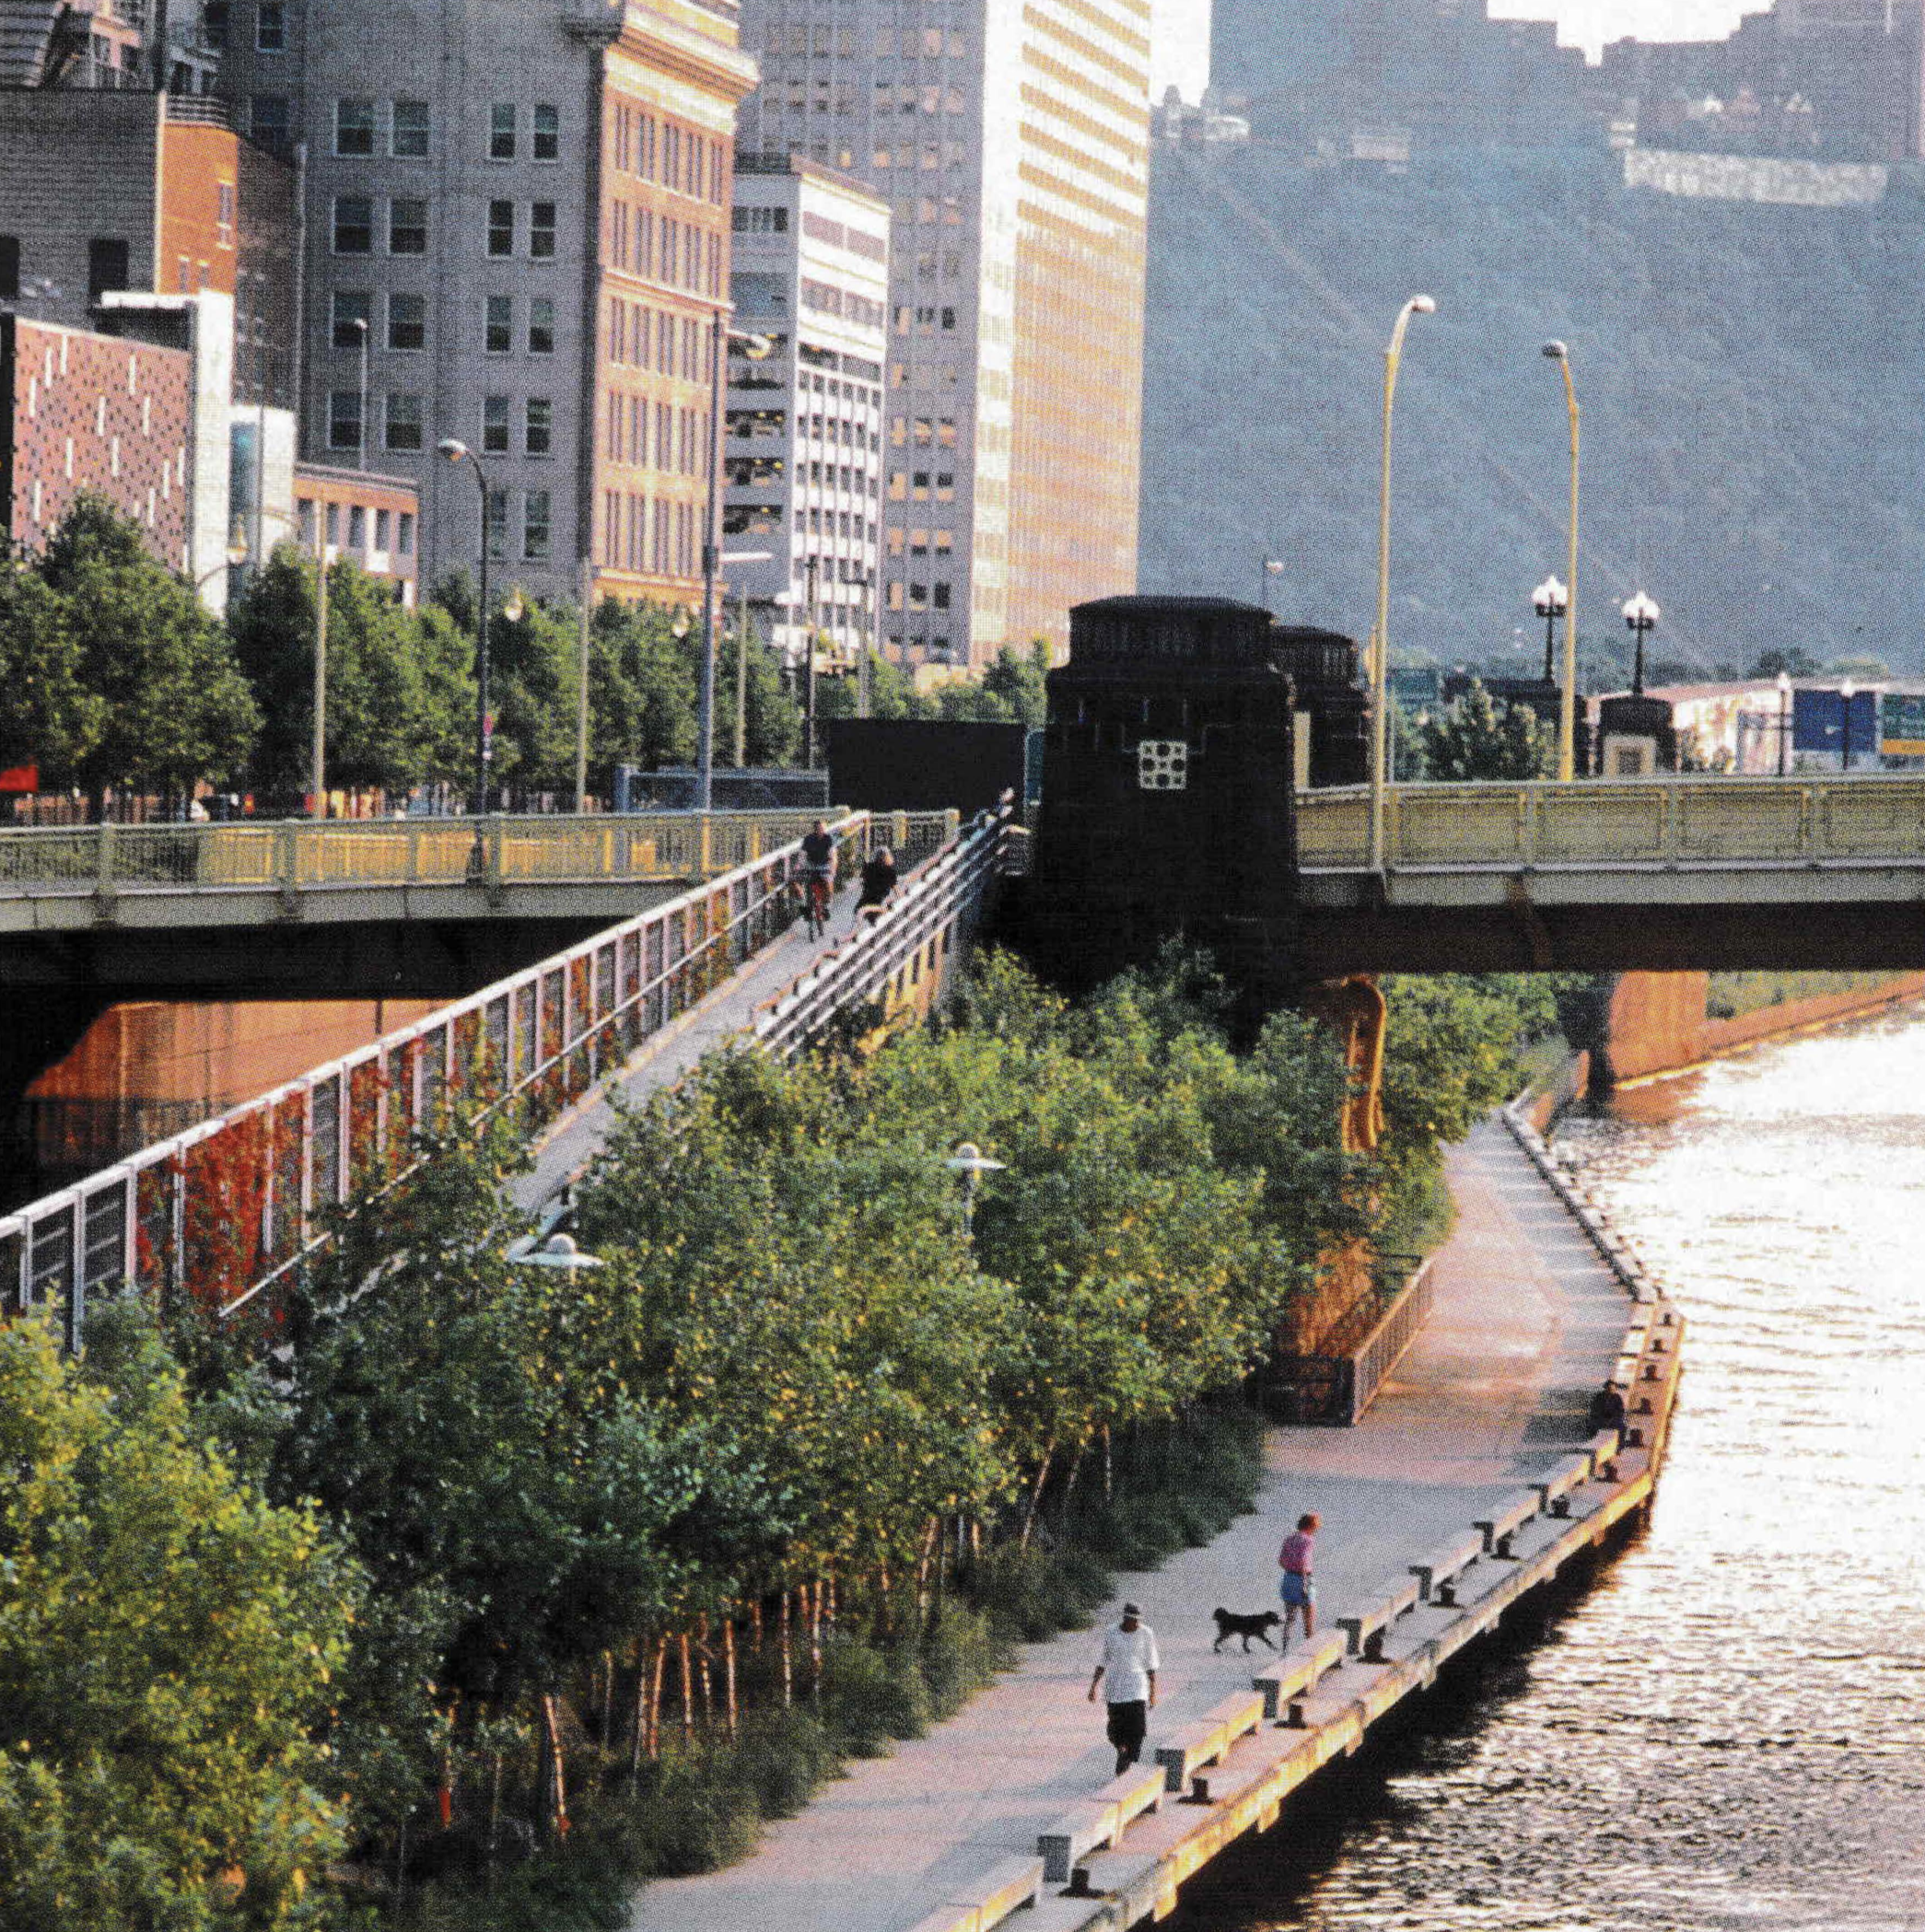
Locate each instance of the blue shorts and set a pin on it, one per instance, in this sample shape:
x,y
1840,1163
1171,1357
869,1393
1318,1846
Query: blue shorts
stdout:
x,y
1297,1589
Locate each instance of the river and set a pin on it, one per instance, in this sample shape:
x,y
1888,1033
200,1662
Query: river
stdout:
x,y
1723,1726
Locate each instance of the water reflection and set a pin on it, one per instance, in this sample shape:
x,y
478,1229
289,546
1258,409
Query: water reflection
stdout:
x,y
1728,1728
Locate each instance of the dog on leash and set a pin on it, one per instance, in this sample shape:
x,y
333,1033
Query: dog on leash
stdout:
x,y
1230,1624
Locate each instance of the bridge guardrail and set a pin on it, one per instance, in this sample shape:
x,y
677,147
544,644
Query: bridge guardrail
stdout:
x,y
1703,821
302,854
220,1212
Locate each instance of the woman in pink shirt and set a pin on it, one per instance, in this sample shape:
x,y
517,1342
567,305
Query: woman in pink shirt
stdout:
x,y
1297,1589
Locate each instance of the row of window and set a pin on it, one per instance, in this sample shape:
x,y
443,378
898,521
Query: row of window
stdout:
x,y
353,314
841,235
359,124
640,534
406,227
825,299
907,486
839,43
921,543
403,424
394,530
640,337
926,319
670,156
640,242
923,430
537,526
651,434
220,25
920,597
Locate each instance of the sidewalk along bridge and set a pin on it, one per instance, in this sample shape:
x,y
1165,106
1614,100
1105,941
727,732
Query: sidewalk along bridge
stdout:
x,y
424,906
220,1214
1173,734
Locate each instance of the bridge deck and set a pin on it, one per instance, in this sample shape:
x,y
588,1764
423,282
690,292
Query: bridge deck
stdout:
x,y
1528,1322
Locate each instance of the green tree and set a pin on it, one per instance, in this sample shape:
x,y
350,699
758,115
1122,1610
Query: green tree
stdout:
x,y
175,706
51,717
167,1642
1477,738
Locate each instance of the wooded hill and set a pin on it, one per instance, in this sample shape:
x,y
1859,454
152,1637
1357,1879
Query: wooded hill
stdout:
x,y
1752,379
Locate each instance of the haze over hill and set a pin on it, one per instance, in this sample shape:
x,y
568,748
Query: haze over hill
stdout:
x,y
1752,379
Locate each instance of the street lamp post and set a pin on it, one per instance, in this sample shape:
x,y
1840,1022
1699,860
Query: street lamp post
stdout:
x,y
1784,719
1640,616
756,347
742,647
1272,567
456,452
1380,652
971,1163
1568,704
1847,692
1550,601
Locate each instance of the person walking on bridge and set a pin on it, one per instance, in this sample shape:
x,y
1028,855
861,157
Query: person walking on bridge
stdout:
x,y
1297,1559
1128,1660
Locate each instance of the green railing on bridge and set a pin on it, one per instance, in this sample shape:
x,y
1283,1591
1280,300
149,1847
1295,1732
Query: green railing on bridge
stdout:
x,y
220,1212
301,856
1609,822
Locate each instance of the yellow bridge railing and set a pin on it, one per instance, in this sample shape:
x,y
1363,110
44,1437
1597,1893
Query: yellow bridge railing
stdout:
x,y
1607,822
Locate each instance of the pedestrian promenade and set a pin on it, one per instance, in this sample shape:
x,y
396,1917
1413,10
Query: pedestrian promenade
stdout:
x,y
1528,1321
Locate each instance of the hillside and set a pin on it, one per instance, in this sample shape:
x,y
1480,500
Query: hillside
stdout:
x,y
1752,380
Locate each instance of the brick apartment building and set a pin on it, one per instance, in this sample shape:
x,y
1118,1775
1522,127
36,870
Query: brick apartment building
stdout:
x,y
525,203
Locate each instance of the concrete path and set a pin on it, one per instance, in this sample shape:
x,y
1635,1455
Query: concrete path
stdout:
x,y
574,1139
1527,1323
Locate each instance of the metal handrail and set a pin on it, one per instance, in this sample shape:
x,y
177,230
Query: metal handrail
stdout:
x,y
1602,823
226,1209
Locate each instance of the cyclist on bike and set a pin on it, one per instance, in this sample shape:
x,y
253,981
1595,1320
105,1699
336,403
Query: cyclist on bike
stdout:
x,y
819,869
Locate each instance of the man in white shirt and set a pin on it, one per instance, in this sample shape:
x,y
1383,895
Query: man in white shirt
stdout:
x,y
1129,1662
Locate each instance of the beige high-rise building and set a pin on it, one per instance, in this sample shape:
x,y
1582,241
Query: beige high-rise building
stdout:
x,y
1011,140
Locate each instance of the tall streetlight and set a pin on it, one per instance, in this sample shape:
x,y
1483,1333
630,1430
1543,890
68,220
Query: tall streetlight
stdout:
x,y
1380,653
456,452
1551,599
1272,567
1784,719
1568,707
1847,692
1640,617
755,347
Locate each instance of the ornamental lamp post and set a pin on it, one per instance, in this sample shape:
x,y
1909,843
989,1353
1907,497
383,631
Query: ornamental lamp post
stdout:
x,y
1784,719
456,452
1380,643
1847,692
1640,617
1550,601
971,1163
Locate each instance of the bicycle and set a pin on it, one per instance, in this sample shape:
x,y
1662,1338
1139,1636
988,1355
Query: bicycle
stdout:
x,y
816,884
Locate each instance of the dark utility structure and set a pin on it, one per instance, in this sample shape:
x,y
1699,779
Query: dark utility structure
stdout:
x,y
1169,761
921,765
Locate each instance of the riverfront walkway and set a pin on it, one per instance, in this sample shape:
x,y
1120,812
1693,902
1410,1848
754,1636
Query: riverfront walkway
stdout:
x,y
1527,1322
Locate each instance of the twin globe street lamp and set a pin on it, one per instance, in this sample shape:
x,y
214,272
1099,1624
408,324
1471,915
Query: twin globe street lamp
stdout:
x,y
1551,600
1640,617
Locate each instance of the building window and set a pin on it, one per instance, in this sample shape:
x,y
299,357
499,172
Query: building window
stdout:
x,y
540,326
408,138
545,143
494,425
384,520
106,266
352,308
536,528
345,420
9,267
213,24
499,334
498,520
353,127
333,525
538,438
407,228
405,420
269,119
304,507
540,230
404,533
407,321
357,526
501,132
501,227
270,26
353,224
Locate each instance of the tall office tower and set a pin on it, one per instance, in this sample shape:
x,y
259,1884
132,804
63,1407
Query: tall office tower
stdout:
x,y
804,453
521,208
1012,138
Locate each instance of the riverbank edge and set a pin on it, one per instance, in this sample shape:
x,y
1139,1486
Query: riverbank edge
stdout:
x,y
1143,1861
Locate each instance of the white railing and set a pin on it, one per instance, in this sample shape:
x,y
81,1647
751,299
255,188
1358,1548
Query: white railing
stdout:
x,y
285,856
214,1215
1605,823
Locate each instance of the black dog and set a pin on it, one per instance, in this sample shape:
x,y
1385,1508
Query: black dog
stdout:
x,y
1230,1624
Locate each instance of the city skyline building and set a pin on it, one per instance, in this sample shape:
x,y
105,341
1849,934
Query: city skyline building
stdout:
x,y
1011,141
518,238
803,459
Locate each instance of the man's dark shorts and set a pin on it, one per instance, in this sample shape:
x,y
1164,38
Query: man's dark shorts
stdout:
x,y
1128,1723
